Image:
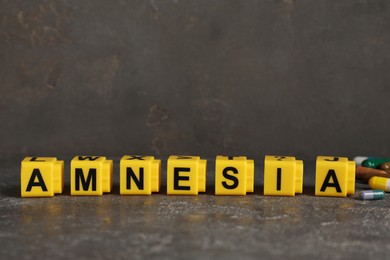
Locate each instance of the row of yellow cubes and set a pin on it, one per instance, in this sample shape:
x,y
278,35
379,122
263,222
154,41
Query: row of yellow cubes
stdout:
x,y
186,175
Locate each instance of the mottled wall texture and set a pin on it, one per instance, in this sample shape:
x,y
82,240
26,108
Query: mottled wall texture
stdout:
x,y
200,77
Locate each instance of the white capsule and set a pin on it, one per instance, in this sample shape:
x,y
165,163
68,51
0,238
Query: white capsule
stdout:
x,y
359,159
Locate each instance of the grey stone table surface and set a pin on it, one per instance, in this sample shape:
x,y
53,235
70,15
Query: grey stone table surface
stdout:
x,y
191,227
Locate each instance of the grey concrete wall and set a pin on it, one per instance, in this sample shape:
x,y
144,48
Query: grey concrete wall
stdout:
x,y
194,77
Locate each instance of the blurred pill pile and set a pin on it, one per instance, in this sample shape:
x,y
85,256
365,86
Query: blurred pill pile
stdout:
x,y
375,172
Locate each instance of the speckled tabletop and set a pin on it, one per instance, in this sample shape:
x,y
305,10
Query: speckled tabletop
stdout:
x,y
204,226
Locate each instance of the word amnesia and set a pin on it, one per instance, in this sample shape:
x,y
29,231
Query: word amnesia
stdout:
x,y
186,175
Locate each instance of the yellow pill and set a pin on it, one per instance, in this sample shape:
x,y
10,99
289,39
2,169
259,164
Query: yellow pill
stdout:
x,y
380,183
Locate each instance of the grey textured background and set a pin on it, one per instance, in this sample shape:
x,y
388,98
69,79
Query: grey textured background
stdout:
x,y
301,78
190,227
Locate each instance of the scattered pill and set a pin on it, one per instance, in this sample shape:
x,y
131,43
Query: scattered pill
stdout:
x,y
365,173
371,195
359,159
385,166
379,183
374,162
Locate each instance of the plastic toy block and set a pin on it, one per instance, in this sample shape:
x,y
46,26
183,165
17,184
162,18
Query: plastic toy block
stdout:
x,y
283,175
90,175
186,175
234,175
335,176
139,175
41,176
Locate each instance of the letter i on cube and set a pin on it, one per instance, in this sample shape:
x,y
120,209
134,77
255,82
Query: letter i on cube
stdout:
x,y
283,175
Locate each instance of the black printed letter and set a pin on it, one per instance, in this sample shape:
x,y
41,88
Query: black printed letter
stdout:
x,y
85,183
177,178
230,177
36,174
331,174
131,175
279,179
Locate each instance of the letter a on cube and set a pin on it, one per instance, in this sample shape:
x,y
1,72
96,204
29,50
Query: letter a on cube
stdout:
x,y
283,176
335,176
90,175
41,176
234,175
139,175
186,175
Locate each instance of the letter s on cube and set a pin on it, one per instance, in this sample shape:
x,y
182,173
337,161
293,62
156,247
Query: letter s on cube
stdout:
x,y
234,175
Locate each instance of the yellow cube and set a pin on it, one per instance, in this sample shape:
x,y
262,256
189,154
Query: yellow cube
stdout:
x,y
41,177
234,175
283,175
139,175
90,175
335,176
186,175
